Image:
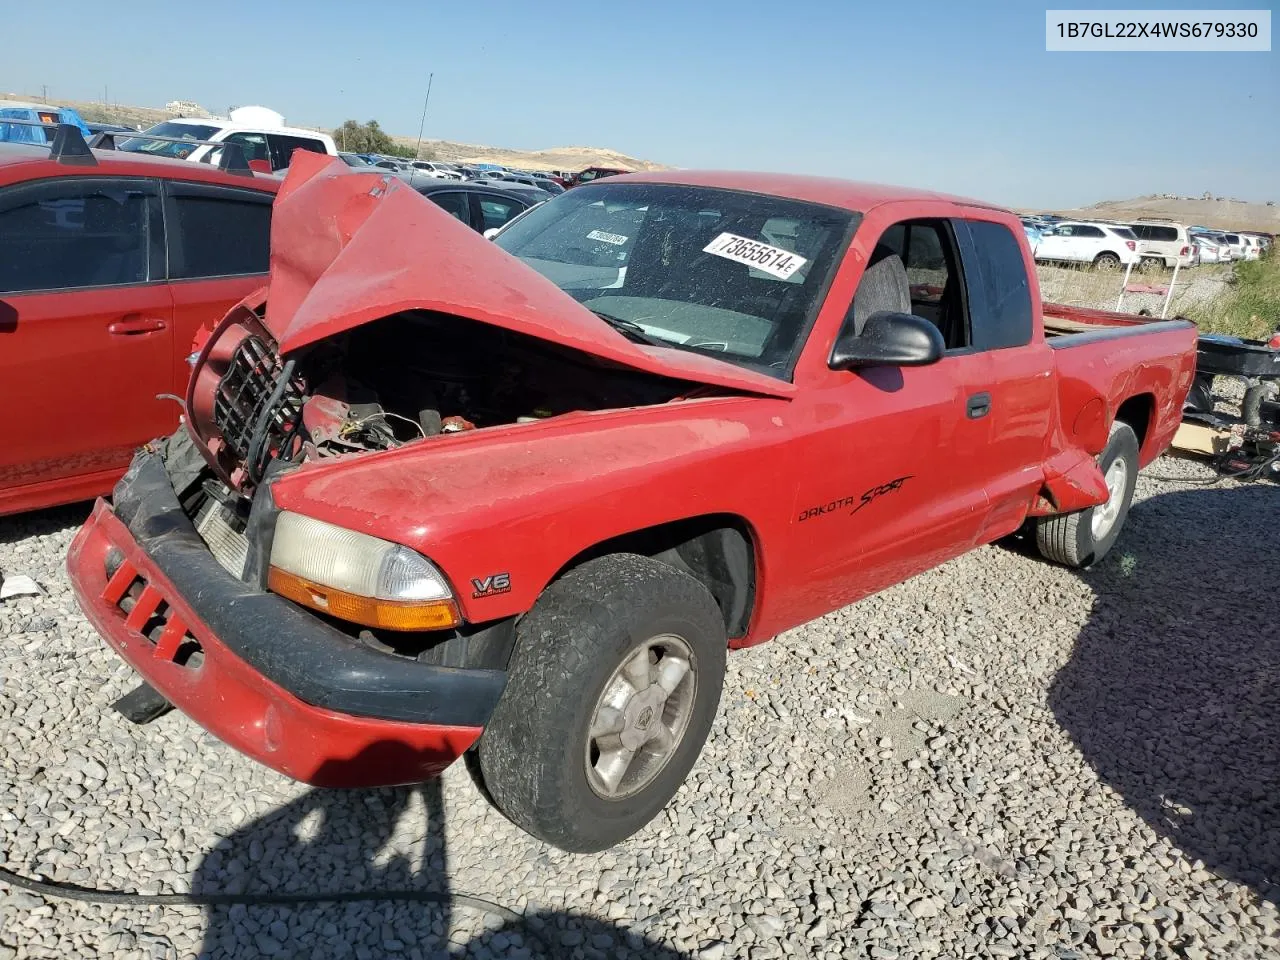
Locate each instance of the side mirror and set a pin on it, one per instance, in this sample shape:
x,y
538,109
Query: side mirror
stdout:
x,y
889,340
491,233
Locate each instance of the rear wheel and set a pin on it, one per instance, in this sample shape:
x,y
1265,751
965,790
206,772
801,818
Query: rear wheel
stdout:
x,y
1084,537
1106,261
611,691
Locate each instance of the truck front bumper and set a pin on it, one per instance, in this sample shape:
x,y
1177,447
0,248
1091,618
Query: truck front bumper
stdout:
x,y
266,677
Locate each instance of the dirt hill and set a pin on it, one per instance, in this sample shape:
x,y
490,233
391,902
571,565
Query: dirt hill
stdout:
x,y
1219,212
553,158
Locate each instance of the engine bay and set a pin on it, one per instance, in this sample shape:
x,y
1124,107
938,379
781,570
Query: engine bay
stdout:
x,y
403,378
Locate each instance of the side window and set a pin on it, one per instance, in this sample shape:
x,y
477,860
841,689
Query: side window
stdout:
x,y
999,292
1087,231
67,234
495,211
254,146
217,232
1067,231
282,147
927,250
453,202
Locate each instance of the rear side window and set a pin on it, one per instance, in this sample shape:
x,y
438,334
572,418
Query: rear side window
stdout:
x,y
454,202
1151,231
1084,230
282,148
495,211
70,234
999,294
218,233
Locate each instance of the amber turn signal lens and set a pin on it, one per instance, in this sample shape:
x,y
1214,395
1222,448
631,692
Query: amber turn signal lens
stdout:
x,y
368,611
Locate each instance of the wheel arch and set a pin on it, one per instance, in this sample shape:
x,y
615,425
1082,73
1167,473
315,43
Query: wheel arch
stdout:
x,y
1138,411
719,550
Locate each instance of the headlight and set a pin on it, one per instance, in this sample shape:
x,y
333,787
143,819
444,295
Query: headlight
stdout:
x,y
358,578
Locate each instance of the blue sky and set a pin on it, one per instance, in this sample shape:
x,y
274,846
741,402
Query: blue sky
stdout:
x,y
960,97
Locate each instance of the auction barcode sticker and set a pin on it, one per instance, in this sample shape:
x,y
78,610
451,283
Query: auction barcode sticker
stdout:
x,y
772,260
616,239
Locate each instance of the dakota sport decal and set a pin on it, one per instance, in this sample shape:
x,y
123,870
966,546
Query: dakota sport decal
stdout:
x,y
856,502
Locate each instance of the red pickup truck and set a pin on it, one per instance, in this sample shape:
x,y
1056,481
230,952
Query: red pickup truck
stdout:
x,y
435,492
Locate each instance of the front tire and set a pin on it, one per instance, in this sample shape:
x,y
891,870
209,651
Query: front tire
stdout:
x,y
1084,537
611,692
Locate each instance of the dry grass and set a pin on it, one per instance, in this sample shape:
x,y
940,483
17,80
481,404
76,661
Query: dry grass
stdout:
x,y
1250,305
1241,299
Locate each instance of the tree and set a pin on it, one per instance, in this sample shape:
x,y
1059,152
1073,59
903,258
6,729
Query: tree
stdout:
x,y
355,137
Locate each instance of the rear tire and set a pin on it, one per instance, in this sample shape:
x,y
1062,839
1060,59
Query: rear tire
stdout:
x,y
586,683
1084,537
1108,262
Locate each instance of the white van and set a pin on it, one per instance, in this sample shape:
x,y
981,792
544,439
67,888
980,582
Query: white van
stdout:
x,y
1167,243
261,134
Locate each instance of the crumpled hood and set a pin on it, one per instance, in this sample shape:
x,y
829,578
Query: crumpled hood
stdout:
x,y
348,248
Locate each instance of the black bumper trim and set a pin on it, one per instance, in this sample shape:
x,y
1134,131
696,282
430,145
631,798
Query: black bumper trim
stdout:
x,y
310,659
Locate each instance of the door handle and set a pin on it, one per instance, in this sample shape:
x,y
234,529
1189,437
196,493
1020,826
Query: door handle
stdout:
x,y
979,406
133,324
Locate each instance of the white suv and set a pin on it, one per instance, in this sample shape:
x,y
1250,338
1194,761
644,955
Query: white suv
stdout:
x,y
260,132
1107,246
1167,243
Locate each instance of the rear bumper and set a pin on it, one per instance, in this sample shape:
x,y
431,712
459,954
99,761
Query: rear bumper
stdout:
x,y
256,671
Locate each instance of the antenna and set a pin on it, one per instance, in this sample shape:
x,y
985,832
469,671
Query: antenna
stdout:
x,y
418,149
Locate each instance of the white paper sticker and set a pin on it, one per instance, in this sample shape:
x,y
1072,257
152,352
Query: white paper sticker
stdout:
x,y
616,239
759,256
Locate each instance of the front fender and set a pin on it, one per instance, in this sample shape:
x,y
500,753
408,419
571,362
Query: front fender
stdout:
x,y
501,510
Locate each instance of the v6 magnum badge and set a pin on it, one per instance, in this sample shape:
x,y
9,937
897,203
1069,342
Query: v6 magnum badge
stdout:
x,y
491,585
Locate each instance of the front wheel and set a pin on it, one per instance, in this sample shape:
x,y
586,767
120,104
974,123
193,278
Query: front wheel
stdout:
x,y
1084,537
611,691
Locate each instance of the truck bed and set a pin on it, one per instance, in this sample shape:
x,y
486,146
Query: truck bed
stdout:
x,y
1061,319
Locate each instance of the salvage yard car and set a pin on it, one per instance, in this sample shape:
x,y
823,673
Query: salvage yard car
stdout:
x,y
260,133
436,493
1106,246
109,262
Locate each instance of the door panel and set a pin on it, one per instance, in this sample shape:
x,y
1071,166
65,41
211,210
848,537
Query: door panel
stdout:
x,y
89,392
891,479
1018,382
85,326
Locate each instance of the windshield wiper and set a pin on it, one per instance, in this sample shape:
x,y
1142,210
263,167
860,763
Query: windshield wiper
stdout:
x,y
630,329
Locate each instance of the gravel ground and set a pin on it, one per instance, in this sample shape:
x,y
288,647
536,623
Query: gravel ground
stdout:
x,y
1000,758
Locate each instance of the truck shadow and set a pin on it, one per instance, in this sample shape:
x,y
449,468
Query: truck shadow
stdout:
x,y
1172,692
392,839
40,523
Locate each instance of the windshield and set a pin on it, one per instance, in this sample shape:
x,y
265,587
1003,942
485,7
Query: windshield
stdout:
x,y
735,275
166,148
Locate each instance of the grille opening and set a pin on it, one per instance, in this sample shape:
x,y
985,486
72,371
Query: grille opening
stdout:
x,y
156,623
189,654
130,598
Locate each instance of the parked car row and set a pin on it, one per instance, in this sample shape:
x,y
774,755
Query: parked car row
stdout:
x,y
1148,243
